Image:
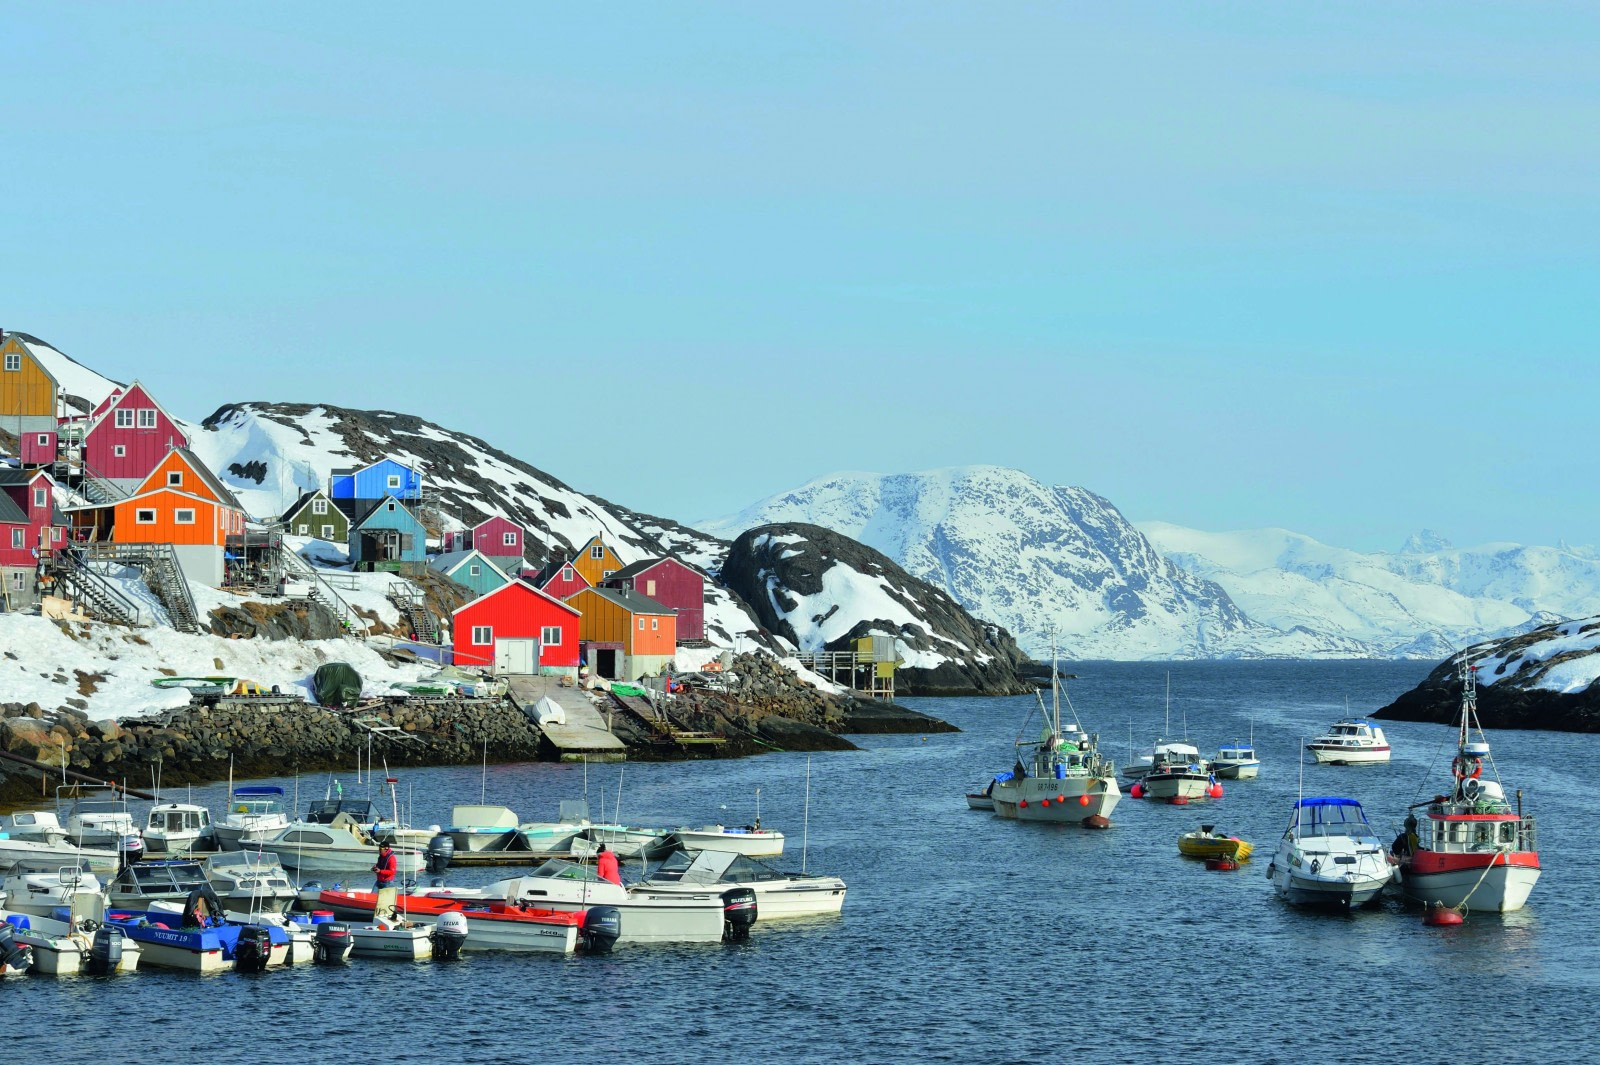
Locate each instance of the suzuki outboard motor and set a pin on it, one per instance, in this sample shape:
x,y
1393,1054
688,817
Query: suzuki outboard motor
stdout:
x,y
738,913
449,935
105,950
441,849
13,955
602,927
332,943
253,949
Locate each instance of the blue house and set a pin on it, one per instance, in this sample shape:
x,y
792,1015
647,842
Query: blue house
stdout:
x,y
387,536
386,477
472,570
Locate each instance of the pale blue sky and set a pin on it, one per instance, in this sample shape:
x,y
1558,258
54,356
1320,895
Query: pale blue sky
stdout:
x,y
1327,268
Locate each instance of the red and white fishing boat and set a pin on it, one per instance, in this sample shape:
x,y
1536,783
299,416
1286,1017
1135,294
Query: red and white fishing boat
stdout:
x,y
1472,848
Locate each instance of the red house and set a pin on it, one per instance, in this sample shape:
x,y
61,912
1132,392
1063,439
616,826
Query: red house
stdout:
x,y
29,522
517,629
561,579
128,436
495,537
670,583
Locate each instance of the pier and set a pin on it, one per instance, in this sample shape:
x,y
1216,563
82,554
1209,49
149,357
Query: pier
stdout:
x,y
585,734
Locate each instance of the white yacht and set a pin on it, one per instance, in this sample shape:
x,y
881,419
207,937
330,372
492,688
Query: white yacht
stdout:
x,y
1353,741
778,894
1236,761
176,828
254,813
1330,856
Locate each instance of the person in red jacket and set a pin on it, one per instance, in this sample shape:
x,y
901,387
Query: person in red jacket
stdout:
x,y
386,868
605,863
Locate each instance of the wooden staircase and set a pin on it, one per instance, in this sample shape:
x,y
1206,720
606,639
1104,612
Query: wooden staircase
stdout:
x,y
78,582
409,600
322,593
159,565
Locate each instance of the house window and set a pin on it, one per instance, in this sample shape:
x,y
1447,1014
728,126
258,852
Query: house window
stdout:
x,y
55,534
13,362
641,624
305,530
38,497
44,439
184,517
390,505
475,570
597,551
394,480
566,573
17,537
649,587
119,450
144,517
147,418
655,623
319,506
124,419
550,636
606,573
327,532
482,635
508,539
174,478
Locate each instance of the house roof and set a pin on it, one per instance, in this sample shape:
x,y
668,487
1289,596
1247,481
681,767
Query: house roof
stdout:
x,y
510,587
635,568
10,512
210,479
450,561
11,476
158,490
356,523
632,602
348,471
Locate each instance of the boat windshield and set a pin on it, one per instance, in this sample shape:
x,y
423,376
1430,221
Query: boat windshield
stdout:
x,y
257,808
150,879
1331,817
564,870
323,811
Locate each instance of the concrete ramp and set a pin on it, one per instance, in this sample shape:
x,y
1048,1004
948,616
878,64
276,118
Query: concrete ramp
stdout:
x,y
585,733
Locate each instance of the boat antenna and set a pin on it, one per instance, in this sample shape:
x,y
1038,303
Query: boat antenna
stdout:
x,y
1166,730
616,802
483,786
805,823
1055,686
1300,788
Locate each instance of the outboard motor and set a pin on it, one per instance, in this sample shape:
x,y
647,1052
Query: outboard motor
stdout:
x,y
13,955
105,950
602,927
738,913
441,849
332,943
130,848
253,949
449,936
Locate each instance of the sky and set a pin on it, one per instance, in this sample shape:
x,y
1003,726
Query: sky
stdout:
x,y
1331,269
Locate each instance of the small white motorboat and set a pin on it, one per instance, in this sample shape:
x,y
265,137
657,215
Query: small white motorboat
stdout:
x,y
1177,775
1236,761
778,894
255,812
1330,856
250,881
176,828
751,840
1353,741
71,947
42,894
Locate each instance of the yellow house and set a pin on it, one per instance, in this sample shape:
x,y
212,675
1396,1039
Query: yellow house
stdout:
x,y
596,561
27,400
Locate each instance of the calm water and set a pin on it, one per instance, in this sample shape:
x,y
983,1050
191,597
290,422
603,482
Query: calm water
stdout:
x,y
964,938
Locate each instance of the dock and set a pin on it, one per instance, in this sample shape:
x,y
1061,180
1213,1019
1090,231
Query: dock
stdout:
x,y
585,735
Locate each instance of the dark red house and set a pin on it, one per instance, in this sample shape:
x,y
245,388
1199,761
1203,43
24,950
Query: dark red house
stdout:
x,y
517,629
29,523
129,436
496,537
670,583
560,579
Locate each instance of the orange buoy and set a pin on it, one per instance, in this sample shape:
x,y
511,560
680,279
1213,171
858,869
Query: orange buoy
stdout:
x,y
1180,800
1061,799
1023,804
1136,792
1096,821
1044,802
1439,915
1083,800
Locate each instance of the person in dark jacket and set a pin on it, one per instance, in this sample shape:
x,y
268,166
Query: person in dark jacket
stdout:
x,y
605,863
386,868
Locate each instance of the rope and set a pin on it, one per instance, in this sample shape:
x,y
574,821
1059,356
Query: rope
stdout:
x,y
1498,851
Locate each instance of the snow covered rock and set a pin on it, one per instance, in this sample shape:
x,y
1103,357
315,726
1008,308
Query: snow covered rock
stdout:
x,y
820,591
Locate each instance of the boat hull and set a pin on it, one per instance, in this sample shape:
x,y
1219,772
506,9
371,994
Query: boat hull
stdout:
x,y
1165,787
404,944
980,802
58,952
814,897
1056,800
1342,894
488,932
1499,888
1348,755
1237,770
754,843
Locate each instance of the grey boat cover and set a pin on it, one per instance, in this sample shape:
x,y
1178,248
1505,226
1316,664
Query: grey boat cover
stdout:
x,y
337,684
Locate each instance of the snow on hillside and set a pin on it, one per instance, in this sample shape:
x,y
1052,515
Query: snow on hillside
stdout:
x,y
111,668
1419,602
1568,660
1047,563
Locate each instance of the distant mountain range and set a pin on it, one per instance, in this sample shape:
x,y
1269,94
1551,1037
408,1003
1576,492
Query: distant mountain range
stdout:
x,y
1059,560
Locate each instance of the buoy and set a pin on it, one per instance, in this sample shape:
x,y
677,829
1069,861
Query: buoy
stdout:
x,y
1083,800
1096,821
1215,791
1044,802
1136,792
1440,915
1180,800
1023,804
1061,798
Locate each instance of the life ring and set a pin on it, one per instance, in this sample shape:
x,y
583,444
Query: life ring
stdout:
x,y
1459,767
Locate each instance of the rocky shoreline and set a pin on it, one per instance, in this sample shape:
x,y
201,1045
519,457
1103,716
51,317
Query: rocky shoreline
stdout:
x,y
765,708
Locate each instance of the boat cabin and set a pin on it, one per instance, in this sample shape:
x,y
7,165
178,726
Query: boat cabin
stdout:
x,y
179,819
167,879
1331,817
362,811
256,802
1352,734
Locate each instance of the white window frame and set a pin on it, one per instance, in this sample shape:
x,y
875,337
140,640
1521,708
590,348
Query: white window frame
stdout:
x,y
174,478
508,539
13,360
597,551
305,530
124,418
655,624
389,505
44,439
139,516
474,570
39,495
394,480
19,538
566,573
650,588
606,573
641,624
319,506
178,517
327,532
482,635
550,636
119,451
147,417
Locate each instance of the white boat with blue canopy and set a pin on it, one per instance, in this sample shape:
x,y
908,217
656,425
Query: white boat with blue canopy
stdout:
x,y
1330,856
1236,761
255,812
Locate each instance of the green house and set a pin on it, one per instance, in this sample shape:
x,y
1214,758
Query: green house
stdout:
x,y
315,515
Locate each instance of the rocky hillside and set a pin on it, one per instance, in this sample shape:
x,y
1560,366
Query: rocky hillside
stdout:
x,y
819,590
1046,563
1545,679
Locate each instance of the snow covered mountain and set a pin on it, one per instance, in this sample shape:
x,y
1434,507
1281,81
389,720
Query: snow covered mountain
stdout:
x,y
1423,601
1037,560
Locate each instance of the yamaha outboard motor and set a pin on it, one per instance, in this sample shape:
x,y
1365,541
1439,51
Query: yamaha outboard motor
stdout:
x,y
738,913
441,848
130,848
253,949
13,955
449,935
332,942
105,950
602,927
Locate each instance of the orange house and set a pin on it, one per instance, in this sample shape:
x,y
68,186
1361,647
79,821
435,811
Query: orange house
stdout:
x,y
596,561
180,503
625,635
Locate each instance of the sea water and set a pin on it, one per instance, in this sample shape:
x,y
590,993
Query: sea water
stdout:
x,y
964,938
